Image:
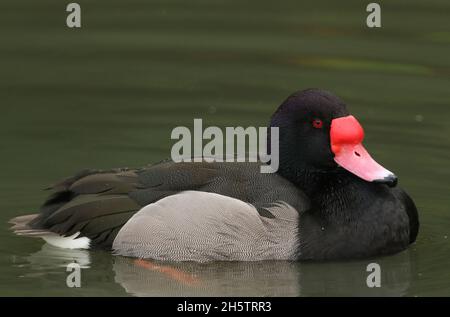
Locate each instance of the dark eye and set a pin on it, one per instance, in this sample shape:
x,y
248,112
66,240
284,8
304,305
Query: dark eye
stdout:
x,y
317,123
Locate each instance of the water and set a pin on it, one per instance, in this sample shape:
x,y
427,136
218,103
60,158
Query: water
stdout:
x,y
109,94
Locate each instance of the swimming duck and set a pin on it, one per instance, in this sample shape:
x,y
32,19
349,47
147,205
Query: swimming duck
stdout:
x,y
328,200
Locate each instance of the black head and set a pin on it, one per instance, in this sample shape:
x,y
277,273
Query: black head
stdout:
x,y
317,134
304,121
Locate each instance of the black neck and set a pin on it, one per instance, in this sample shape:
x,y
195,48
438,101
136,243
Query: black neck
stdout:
x,y
333,194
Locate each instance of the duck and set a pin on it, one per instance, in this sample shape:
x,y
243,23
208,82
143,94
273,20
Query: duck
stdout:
x,y
328,200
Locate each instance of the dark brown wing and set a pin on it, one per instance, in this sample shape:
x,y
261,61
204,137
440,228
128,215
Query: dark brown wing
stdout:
x,y
98,203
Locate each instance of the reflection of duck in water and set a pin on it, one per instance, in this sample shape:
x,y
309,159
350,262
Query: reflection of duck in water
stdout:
x,y
328,200
153,278
261,278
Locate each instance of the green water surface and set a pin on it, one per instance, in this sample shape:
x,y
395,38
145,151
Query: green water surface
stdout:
x,y
109,94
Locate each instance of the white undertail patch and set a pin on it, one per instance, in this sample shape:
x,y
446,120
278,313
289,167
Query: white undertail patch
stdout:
x,y
70,242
